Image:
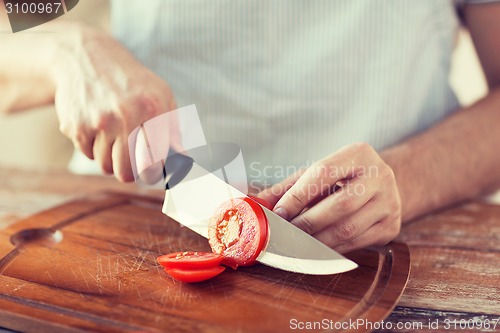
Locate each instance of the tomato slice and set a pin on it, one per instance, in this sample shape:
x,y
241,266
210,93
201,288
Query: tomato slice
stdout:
x,y
190,259
261,201
238,231
192,275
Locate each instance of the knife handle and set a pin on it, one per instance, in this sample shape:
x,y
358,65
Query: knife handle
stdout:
x,y
176,167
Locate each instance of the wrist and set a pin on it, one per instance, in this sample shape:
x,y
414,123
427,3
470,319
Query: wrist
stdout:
x,y
63,54
401,159
26,77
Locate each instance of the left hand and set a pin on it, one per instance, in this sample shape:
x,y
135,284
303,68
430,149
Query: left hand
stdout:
x,y
102,95
348,200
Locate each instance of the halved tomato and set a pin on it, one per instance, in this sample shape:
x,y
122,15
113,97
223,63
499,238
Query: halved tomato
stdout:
x,y
261,201
192,275
189,259
238,231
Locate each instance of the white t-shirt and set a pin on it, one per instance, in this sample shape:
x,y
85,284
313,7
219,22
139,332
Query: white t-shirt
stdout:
x,y
293,81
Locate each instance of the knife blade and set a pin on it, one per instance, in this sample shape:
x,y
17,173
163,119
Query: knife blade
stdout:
x,y
193,201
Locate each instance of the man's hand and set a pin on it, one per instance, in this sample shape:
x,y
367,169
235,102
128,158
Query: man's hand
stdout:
x,y
102,94
348,200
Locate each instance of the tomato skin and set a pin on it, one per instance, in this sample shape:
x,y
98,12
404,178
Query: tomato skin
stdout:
x,y
263,229
246,246
261,201
195,275
189,259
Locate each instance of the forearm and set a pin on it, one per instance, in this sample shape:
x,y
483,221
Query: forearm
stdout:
x,y
26,63
455,160
24,79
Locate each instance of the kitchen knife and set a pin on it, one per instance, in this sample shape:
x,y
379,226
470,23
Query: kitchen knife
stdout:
x,y
194,200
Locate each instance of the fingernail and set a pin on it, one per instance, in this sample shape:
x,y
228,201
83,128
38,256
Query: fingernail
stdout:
x,y
281,212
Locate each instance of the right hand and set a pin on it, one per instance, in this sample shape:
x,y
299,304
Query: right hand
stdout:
x,y
102,94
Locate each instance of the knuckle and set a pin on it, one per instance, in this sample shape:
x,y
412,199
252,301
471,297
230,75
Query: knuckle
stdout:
x,y
362,148
105,121
387,174
297,200
346,231
304,223
148,104
318,170
345,202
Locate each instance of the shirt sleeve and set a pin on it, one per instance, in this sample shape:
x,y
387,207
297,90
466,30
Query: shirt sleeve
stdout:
x,y
461,3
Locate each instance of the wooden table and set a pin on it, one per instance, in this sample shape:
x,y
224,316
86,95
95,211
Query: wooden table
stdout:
x,y
454,284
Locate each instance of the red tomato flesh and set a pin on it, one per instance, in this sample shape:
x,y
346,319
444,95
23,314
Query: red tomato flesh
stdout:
x,y
192,275
238,231
190,259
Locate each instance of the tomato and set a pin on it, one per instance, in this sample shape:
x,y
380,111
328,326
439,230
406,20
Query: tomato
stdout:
x,y
189,259
238,231
191,266
192,275
261,201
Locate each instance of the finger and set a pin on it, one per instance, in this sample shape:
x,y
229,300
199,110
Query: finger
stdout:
x,y
148,171
84,141
132,139
379,234
319,179
275,192
121,160
352,226
152,153
336,207
102,151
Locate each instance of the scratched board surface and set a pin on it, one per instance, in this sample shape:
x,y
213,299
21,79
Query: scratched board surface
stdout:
x,y
89,265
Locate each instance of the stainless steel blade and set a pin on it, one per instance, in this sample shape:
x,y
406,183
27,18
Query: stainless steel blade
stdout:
x,y
194,201
291,249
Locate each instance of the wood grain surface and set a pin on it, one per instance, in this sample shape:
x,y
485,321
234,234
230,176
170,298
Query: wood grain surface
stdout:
x,y
89,265
455,271
455,253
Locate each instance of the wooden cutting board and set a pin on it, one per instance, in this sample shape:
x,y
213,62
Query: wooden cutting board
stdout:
x,y
89,265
